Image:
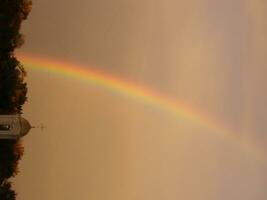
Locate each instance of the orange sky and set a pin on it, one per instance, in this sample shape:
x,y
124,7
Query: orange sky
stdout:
x,y
102,146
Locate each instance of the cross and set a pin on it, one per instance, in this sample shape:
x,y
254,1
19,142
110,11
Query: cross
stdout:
x,y
42,127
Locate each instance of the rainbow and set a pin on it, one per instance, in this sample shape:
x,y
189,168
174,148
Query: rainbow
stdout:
x,y
139,93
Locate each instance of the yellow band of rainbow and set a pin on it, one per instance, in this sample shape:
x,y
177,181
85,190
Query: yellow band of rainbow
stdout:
x,y
140,93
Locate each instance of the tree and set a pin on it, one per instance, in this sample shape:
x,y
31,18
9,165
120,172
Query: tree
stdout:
x,y
13,89
6,192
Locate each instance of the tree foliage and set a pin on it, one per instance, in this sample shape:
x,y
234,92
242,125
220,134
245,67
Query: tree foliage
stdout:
x,y
6,191
13,89
12,12
13,151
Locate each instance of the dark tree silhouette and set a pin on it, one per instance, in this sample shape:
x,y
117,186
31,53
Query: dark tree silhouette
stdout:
x,y
13,89
12,12
6,192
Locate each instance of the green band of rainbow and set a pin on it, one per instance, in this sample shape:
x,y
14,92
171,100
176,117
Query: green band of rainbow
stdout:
x,y
138,92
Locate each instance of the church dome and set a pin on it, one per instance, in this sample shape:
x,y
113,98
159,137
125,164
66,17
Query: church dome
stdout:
x,y
25,127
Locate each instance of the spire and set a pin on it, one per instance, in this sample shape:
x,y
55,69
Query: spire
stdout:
x,y
42,127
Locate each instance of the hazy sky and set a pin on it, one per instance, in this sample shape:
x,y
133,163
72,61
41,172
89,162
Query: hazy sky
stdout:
x,y
102,146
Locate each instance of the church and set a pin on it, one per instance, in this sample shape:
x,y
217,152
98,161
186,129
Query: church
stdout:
x,y
13,126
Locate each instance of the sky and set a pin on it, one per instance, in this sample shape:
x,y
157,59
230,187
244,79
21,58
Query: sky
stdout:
x,y
101,145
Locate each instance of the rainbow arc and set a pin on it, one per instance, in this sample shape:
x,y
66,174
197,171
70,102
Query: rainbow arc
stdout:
x,y
139,93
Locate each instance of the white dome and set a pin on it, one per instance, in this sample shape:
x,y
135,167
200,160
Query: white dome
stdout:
x,y
25,127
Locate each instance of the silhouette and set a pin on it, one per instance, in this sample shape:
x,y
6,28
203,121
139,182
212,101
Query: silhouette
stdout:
x,y
13,89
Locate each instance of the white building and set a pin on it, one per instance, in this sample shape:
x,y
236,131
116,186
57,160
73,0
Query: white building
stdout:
x,y
13,126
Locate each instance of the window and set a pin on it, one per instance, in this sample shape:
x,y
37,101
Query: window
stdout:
x,y
4,127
